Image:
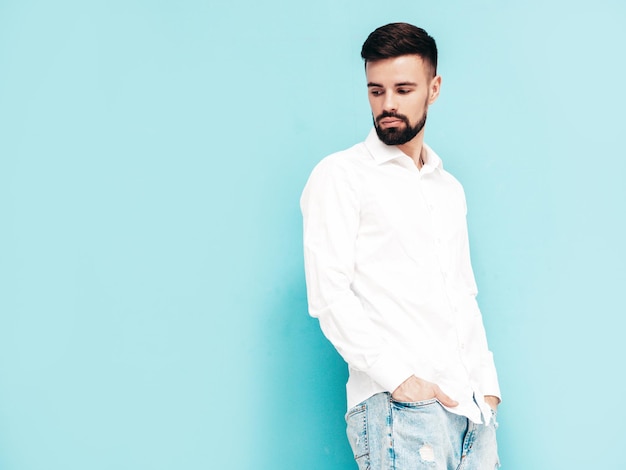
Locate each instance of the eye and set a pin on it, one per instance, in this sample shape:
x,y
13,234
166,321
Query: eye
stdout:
x,y
404,91
376,92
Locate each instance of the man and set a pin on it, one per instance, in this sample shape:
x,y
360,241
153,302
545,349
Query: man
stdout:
x,y
389,277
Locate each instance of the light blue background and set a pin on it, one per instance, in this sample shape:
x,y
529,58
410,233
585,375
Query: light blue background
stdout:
x,y
152,154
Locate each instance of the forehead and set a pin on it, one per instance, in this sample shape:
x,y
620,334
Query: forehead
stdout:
x,y
397,70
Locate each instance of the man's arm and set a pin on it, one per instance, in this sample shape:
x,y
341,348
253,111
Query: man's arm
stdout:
x,y
489,382
330,207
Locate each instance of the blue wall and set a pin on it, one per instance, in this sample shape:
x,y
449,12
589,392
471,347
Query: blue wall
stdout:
x,y
152,153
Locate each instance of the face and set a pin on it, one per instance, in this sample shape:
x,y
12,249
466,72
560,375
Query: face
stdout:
x,y
400,89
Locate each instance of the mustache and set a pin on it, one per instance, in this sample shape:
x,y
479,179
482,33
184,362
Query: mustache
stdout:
x,y
387,114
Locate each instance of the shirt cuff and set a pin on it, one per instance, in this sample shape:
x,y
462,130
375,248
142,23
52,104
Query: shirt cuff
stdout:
x,y
489,385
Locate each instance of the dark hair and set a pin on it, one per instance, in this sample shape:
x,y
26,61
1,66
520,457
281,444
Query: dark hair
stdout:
x,y
397,39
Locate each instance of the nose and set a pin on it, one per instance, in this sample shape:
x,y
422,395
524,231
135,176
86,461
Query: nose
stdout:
x,y
390,104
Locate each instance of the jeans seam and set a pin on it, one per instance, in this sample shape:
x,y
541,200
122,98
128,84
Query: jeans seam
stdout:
x,y
392,453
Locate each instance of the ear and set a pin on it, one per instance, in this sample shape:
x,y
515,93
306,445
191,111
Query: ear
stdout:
x,y
433,89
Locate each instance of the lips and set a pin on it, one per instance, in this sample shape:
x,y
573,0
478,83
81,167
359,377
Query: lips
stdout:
x,y
387,119
390,122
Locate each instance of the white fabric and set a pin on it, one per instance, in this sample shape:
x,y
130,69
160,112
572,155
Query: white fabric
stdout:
x,y
389,275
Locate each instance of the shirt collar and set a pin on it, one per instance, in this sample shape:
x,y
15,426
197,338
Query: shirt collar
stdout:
x,y
382,153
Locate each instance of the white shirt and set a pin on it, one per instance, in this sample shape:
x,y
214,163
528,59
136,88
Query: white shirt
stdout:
x,y
389,277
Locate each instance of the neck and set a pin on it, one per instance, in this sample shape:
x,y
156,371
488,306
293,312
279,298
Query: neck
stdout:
x,y
414,149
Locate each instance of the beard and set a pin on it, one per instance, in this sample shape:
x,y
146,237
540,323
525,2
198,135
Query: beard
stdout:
x,y
398,135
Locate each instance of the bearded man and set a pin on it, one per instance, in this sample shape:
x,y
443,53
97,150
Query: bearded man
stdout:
x,y
389,277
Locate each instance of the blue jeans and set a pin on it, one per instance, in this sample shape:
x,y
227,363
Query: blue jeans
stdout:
x,y
389,435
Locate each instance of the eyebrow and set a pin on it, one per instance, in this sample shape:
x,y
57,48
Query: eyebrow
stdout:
x,y
372,84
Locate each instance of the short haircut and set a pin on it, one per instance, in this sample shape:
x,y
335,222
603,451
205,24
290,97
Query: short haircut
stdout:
x,y
398,39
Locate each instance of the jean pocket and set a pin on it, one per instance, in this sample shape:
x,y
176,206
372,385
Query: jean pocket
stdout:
x,y
356,420
415,404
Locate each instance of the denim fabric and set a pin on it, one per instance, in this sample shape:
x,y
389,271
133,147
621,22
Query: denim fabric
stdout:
x,y
389,435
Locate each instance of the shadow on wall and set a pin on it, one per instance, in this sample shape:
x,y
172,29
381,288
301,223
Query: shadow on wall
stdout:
x,y
301,413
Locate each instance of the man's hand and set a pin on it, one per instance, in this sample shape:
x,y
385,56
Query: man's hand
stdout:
x,y
415,389
492,401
